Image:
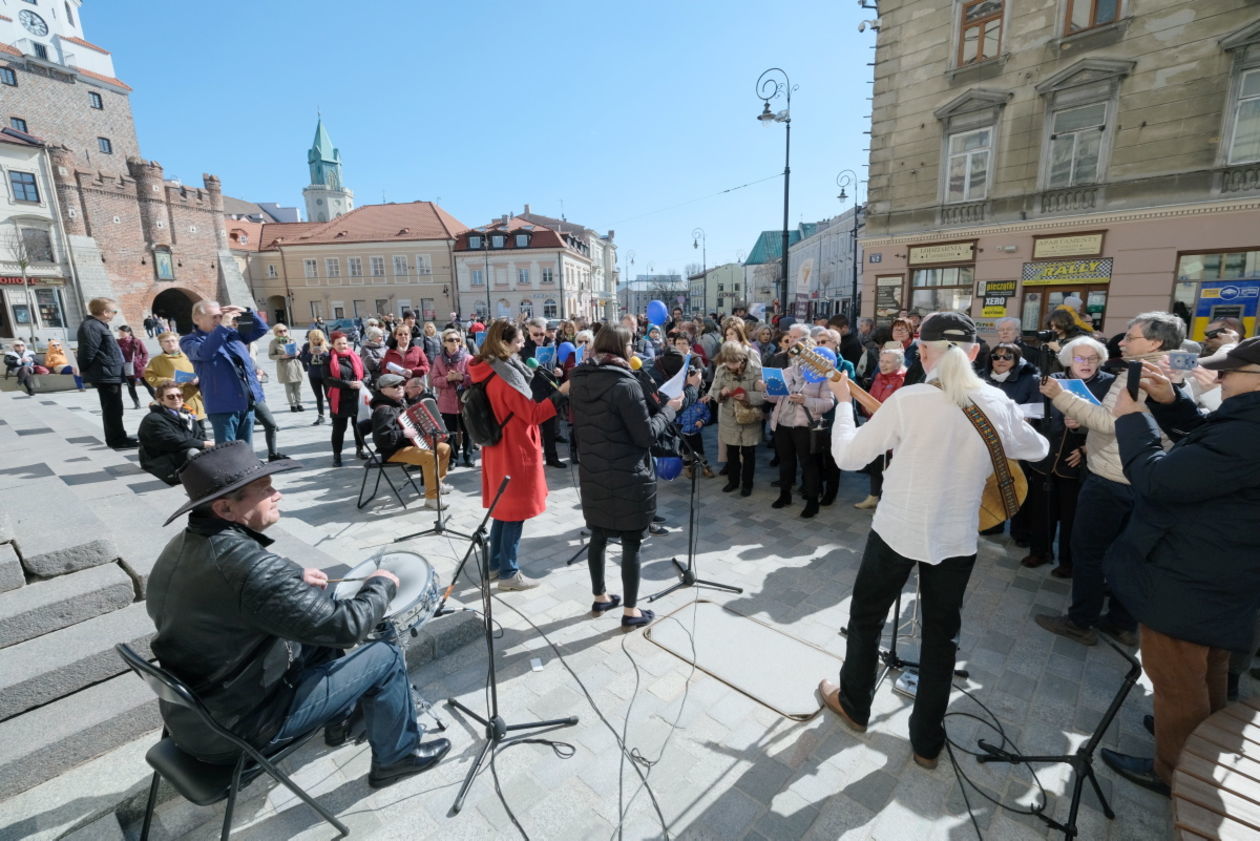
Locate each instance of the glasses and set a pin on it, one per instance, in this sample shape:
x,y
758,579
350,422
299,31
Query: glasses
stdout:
x,y
174,395
1131,338
1086,360
451,341
1002,357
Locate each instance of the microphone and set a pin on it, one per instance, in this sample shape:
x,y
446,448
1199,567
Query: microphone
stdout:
x,y
635,363
430,419
532,364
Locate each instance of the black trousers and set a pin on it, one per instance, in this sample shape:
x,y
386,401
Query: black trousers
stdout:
x,y
110,395
454,424
630,543
1105,508
547,429
791,443
1057,512
317,386
339,433
741,462
262,413
881,577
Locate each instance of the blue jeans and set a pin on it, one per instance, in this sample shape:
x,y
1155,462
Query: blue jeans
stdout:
x,y
374,675
232,426
880,578
505,540
1102,512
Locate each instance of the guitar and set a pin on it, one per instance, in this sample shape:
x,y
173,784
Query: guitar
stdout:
x,y
993,508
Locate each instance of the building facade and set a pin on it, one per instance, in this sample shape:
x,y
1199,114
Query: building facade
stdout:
x,y
516,267
602,249
670,289
716,289
1025,152
822,266
375,260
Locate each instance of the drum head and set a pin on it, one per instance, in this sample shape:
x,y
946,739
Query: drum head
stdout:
x,y
414,578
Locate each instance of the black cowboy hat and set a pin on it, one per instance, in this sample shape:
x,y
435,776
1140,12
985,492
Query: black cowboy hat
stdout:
x,y
219,470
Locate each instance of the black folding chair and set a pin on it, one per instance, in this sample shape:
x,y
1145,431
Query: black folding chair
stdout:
x,y
382,468
200,782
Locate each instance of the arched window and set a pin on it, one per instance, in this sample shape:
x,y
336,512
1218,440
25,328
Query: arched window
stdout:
x,y
527,307
549,308
503,307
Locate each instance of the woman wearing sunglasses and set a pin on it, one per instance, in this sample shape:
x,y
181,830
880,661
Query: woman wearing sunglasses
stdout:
x,y
449,378
1019,378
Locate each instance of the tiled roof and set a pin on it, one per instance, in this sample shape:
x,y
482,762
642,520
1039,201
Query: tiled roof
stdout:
x,y
83,43
110,80
769,247
287,233
417,220
10,49
541,237
233,206
561,225
244,235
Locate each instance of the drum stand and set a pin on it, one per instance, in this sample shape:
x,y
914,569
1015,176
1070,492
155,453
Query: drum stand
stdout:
x,y
687,574
439,525
495,727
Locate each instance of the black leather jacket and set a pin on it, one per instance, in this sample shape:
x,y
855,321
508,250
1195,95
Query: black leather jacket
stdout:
x,y
237,624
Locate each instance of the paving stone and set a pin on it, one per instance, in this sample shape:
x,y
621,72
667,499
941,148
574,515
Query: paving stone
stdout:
x,y
11,575
75,538
62,662
46,606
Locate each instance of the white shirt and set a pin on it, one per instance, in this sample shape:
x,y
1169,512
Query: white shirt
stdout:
x,y
930,509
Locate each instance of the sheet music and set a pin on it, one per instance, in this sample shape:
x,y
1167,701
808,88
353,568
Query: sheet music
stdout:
x,y
673,387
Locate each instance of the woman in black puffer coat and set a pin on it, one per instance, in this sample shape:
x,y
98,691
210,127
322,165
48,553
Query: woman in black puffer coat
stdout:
x,y
617,476
1015,375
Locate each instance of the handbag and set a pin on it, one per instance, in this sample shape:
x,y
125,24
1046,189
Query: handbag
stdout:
x,y
819,433
745,413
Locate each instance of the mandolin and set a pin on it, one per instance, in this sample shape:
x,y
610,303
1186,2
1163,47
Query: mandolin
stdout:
x,y
993,508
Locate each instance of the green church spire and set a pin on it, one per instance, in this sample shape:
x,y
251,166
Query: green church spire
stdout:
x,y
324,159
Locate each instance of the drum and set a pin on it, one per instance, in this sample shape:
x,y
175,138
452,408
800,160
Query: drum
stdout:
x,y
418,590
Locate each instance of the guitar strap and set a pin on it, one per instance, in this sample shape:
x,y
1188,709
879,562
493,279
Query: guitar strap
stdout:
x,y
993,443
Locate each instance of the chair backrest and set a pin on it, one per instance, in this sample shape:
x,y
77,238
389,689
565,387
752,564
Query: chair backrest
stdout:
x,y
172,690
365,429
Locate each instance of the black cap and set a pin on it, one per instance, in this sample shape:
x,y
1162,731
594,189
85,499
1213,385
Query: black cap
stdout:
x,y
947,327
1239,356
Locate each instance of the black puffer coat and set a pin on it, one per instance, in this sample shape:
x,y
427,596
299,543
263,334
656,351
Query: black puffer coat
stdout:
x,y
98,354
1021,385
234,621
614,432
165,440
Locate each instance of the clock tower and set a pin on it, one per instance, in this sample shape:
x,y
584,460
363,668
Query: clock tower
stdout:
x,y
326,197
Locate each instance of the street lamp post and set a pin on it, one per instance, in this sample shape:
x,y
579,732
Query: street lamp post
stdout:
x,y
848,178
485,247
698,241
768,88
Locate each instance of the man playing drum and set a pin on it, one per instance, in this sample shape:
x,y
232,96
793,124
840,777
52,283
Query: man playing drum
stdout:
x,y
259,639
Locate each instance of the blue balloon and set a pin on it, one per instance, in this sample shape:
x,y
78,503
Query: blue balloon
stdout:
x,y
812,376
668,467
564,352
657,312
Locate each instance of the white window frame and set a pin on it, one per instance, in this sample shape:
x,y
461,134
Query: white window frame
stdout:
x,y
271,270
424,265
1244,45
317,309
478,277
550,308
376,265
969,192
475,241
1085,133
310,267
1239,101
522,277
522,240
400,265
332,267
548,275
354,266
1090,81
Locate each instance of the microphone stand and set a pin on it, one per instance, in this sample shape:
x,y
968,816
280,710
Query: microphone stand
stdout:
x,y
495,728
687,574
439,525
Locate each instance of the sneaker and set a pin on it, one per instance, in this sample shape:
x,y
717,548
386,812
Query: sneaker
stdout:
x,y
867,504
517,582
1065,627
447,489
430,502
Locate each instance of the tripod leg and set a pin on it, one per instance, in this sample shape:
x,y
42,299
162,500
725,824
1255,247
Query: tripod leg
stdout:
x,y
472,774
1093,780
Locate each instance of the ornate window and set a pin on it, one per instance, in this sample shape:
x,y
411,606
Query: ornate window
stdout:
x,y
1087,14
980,31
969,126
1080,109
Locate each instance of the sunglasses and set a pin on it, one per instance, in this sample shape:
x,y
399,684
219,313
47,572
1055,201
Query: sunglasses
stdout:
x,y
174,395
997,357
451,341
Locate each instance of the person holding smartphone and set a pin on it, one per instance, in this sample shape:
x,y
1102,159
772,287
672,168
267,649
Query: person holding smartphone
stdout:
x,y
220,356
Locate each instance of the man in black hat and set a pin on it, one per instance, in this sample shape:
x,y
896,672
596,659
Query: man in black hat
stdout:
x,y
1187,565
258,637
927,518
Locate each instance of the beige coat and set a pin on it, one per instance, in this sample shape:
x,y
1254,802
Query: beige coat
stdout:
x,y
287,370
730,433
1102,452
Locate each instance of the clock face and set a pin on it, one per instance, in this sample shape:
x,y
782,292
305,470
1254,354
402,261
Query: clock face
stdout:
x,y
33,22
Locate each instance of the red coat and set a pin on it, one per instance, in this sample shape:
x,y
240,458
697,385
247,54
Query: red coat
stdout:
x,y
518,453
414,359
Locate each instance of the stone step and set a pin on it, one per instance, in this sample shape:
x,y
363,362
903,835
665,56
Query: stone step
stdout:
x,y
47,606
42,743
56,539
46,668
11,574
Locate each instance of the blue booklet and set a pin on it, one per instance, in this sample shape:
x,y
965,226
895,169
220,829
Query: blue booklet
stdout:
x,y
775,384
1079,388
546,357
579,354
291,348
481,337
185,376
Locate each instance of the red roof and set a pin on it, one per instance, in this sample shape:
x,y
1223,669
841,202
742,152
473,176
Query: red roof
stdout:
x,y
540,236
284,233
243,234
417,220
101,78
10,49
83,43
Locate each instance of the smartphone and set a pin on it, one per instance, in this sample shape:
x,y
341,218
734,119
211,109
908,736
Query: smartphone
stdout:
x,y
1135,378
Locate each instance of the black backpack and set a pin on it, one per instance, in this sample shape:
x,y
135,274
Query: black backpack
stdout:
x,y
478,415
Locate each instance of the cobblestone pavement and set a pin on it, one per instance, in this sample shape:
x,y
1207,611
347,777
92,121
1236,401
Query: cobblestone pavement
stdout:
x,y
720,765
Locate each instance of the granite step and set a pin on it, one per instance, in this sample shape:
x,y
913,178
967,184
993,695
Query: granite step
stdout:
x,y
55,539
46,606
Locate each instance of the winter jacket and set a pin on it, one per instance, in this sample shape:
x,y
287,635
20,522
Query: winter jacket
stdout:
x,y
617,474
343,400
134,351
448,391
371,352
731,433
288,368
883,386
163,367
431,345
165,439
1064,441
1188,562
818,400
1021,383
237,624
315,360
99,357
1102,453
412,358
519,452
387,433
223,364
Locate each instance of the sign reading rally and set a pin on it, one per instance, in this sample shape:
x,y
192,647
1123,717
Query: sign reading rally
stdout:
x,y
1096,270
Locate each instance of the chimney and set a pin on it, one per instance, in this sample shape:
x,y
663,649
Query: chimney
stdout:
x,y
526,208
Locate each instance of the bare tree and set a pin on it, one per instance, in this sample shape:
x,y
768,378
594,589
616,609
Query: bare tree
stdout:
x,y
23,251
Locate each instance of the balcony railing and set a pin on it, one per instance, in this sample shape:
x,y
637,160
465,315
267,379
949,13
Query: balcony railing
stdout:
x,y
970,213
1239,179
1069,200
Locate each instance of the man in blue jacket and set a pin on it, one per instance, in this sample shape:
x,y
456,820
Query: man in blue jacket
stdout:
x,y
219,355
1187,566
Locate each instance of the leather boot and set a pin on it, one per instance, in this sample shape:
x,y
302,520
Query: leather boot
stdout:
x,y
784,500
421,759
811,508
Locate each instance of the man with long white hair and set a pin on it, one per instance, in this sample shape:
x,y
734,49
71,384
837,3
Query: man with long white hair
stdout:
x,y
928,517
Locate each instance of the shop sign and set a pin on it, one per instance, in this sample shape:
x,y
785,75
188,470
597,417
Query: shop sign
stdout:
x,y
996,295
949,252
1072,245
1068,271
888,295
12,280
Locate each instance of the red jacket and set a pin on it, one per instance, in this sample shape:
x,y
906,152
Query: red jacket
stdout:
x,y
883,386
518,453
414,359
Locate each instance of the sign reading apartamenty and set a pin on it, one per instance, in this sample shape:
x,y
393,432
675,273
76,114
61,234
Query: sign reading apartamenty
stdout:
x,y
1055,272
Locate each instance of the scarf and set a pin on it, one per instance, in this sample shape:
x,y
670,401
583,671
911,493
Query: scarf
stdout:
x,y
612,359
334,367
513,372
1001,378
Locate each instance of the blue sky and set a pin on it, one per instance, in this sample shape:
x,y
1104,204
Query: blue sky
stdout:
x,y
628,116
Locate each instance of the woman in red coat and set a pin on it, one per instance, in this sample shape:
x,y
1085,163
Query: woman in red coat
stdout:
x,y
518,453
409,359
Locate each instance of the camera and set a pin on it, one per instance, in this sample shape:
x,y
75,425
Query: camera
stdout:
x,y
1040,335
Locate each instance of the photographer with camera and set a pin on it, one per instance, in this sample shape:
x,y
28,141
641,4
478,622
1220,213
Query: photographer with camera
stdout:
x,y
1221,336
220,356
